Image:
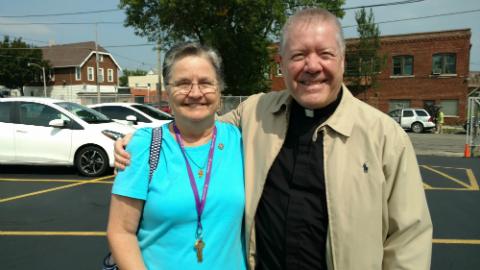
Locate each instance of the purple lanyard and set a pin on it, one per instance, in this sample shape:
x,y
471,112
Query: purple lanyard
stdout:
x,y
200,204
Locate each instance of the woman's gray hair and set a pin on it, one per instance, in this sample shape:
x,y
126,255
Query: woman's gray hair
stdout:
x,y
183,50
312,15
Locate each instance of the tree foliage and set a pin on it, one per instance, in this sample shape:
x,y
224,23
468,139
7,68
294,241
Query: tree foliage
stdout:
x,y
364,60
241,30
14,58
127,72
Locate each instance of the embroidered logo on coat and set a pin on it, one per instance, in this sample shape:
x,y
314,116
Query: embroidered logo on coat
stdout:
x,y
365,168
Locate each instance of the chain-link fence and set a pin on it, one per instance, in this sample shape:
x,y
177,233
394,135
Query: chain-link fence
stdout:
x,y
95,99
230,102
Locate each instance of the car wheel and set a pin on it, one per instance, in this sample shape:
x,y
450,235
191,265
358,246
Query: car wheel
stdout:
x,y
91,161
417,127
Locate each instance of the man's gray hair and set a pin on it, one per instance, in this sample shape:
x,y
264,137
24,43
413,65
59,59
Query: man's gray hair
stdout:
x,y
312,15
183,50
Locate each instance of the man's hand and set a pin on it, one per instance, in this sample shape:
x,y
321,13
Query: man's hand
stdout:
x,y
122,158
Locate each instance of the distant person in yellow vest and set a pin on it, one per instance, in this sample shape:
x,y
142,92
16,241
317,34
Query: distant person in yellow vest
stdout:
x,y
440,120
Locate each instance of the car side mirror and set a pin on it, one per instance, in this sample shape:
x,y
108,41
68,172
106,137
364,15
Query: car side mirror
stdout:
x,y
58,123
132,119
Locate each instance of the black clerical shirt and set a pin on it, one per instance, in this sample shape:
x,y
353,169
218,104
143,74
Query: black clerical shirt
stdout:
x,y
291,221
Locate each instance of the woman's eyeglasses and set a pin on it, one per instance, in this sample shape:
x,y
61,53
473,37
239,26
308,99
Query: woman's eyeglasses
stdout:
x,y
184,88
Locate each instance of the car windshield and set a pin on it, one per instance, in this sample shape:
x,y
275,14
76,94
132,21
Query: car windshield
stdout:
x,y
86,114
157,114
394,113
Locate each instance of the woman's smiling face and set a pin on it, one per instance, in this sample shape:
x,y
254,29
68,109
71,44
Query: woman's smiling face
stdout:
x,y
203,98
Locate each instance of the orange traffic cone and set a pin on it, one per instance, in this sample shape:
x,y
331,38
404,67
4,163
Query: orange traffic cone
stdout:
x,y
466,152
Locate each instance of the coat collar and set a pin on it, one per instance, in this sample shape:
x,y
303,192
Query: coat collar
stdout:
x,y
340,121
343,119
283,102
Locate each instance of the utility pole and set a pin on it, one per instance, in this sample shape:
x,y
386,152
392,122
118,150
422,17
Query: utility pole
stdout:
x,y
96,63
44,78
159,70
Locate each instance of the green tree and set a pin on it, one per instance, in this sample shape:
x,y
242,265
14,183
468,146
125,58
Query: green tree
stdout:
x,y
14,58
364,59
127,72
242,31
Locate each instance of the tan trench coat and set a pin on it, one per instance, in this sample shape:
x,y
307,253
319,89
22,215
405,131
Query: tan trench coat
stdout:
x,y
378,215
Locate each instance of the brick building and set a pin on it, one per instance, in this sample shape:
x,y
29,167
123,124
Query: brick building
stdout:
x,y
72,75
421,69
146,88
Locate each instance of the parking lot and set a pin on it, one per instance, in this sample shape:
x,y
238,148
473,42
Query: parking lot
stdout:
x,y
51,218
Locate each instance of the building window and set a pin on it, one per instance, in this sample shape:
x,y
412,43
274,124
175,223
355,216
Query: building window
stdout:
x,y
100,75
357,66
395,104
444,63
110,75
78,73
139,99
278,70
100,57
449,107
428,103
90,73
51,76
403,65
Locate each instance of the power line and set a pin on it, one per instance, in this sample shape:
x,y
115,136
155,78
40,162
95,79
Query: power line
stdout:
x,y
61,14
130,45
117,9
384,4
58,23
422,17
133,60
34,40
108,46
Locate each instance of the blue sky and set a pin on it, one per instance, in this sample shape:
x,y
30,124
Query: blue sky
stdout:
x,y
144,57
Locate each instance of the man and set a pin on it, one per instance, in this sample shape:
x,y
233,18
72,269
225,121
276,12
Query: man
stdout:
x,y
330,182
440,120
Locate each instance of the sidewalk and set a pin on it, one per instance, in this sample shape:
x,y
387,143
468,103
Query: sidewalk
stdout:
x,y
450,145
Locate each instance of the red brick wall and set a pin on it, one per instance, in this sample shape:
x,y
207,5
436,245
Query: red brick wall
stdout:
x,y
422,86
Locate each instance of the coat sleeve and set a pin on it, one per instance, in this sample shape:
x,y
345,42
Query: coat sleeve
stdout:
x,y
408,241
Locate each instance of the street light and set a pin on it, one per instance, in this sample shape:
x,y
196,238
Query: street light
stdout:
x,y
44,79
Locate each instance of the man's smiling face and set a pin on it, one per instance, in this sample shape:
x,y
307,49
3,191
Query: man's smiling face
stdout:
x,y
313,63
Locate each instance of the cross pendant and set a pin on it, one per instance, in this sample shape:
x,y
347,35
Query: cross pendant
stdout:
x,y
200,173
199,245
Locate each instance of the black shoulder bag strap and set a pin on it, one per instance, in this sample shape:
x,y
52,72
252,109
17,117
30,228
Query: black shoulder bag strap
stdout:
x,y
155,148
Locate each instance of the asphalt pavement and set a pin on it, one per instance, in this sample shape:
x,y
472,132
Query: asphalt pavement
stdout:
x,y
431,144
51,218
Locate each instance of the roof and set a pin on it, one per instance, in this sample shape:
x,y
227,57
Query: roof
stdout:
x,y
72,54
447,34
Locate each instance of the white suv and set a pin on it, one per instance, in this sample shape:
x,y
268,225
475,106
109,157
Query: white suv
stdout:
x,y
46,131
136,114
417,120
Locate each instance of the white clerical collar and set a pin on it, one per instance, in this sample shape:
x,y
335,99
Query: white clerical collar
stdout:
x,y
309,113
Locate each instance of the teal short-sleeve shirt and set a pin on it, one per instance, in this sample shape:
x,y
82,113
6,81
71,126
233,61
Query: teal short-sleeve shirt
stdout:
x,y
167,230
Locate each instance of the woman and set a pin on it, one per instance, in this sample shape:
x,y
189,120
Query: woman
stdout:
x,y
193,207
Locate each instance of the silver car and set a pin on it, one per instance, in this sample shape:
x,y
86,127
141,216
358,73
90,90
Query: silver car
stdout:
x,y
416,120
136,114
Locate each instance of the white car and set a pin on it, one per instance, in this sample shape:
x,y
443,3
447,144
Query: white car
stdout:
x,y
136,114
417,120
44,131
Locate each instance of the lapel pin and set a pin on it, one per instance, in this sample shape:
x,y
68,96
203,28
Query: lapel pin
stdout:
x,y
220,146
